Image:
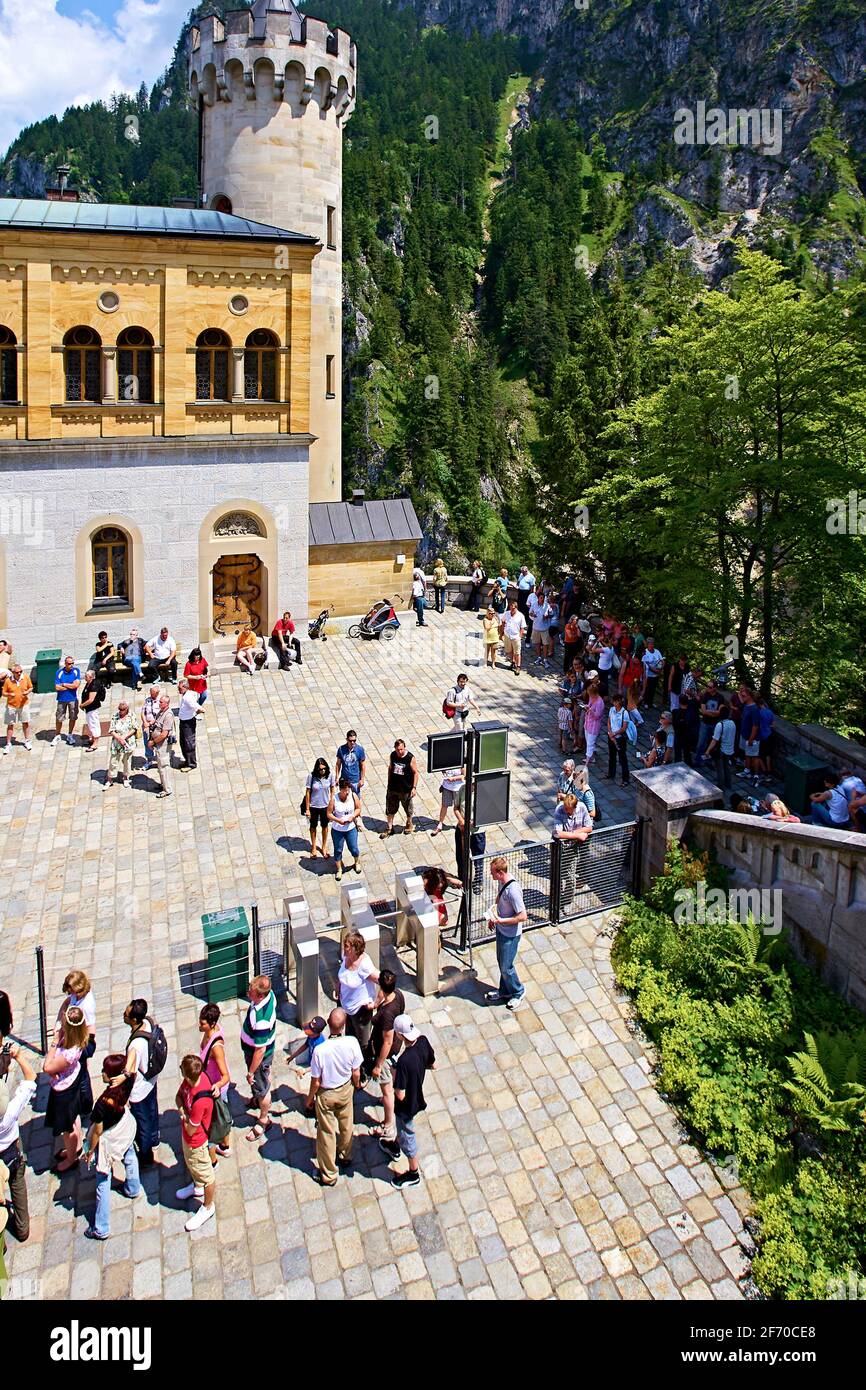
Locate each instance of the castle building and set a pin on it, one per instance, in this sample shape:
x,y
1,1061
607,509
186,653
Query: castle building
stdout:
x,y
170,377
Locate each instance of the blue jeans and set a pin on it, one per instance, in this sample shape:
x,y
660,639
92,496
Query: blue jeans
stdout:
x,y
345,837
146,1114
131,1188
821,816
134,664
202,697
418,605
705,738
506,954
406,1136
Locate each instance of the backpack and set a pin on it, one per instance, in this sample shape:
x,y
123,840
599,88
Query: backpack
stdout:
x,y
483,574
448,709
157,1049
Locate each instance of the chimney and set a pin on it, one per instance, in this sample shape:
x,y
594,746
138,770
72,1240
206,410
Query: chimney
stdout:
x,y
357,497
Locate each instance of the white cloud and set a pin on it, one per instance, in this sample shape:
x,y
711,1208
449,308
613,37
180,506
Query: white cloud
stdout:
x,y
50,61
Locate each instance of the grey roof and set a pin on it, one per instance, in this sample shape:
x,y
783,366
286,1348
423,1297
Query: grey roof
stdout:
x,y
44,214
342,523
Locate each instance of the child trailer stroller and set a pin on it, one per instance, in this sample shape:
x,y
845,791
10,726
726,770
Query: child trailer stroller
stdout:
x,y
381,622
316,628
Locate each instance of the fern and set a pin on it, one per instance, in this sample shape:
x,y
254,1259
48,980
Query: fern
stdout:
x,y
828,1081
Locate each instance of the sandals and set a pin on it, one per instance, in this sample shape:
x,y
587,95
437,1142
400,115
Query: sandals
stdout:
x,y
257,1131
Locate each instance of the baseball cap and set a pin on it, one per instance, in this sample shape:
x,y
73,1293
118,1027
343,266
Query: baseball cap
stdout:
x,y
592,675
315,1027
405,1027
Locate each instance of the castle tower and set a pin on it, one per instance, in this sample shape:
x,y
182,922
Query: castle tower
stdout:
x,y
274,88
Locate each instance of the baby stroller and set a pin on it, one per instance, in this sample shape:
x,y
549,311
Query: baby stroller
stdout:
x,y
381,622
316,628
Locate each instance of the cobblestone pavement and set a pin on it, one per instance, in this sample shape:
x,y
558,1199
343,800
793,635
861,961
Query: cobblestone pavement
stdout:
x,y
551,1165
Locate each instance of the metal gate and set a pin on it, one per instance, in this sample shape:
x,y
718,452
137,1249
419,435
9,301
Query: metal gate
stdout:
x,y
560,880
271,949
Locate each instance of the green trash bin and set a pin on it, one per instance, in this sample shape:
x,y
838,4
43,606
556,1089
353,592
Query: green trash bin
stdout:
x,y
226,939
803,775
47,662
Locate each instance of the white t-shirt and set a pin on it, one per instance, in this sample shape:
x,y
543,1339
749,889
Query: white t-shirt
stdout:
x,y
161,649
539,612
452,781
356,987
87,1005
419,588
853,786
460,698
141,1087
334,1060
189,705
514,625
653,662
605,658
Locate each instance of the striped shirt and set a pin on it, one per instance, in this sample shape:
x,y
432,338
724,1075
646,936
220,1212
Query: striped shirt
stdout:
x,y
260,1025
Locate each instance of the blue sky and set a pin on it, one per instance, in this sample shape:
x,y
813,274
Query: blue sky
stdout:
x,y
59,53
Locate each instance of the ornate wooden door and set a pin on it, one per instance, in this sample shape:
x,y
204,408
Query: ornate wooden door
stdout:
x,y
237,593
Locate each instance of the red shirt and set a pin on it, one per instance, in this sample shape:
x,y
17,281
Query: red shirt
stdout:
x,y
282,628
195,672
197,1102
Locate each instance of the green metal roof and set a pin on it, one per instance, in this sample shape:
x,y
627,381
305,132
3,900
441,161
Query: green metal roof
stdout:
x,y
42,214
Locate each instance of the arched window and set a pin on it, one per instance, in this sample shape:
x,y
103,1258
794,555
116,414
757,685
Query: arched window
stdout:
x,y
260,366
82,365
212,366
135,365
8,366
222,204
109,548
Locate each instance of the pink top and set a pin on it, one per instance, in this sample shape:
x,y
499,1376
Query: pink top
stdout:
x,y
594,715
62,1080
211,1070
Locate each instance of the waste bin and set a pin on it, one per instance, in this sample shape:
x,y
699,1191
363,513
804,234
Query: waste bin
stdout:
x,y
226,938
803,775
47,662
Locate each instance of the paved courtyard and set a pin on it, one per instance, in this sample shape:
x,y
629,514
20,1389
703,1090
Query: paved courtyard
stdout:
x,y
552,1167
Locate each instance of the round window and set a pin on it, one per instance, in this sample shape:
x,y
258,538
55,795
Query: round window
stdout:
x,y
238,304
108,301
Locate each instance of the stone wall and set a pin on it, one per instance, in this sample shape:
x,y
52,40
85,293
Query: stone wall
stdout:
x,y
821,875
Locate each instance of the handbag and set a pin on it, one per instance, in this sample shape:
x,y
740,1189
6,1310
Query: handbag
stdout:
x,y
221,1121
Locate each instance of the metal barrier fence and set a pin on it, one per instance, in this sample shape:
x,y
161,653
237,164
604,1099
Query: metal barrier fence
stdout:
x,y
560,880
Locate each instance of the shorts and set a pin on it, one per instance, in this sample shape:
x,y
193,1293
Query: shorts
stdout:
x,y
201,1170
18,716
94,723
751,750
447,797
261,1082
386,1075
395,801
318,817
68,711
539,635
513,645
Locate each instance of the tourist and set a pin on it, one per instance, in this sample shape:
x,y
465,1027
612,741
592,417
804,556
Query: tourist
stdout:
x,y
357,979
572,823
161,736
565,724
283,639
418,596
132,654
317,797
708,706
335,1074
830,807
458,702
351,763
479,579
440,584
655,755
195,671
245,649
511,630
312,1034
594,718
77,993
415,1060
62,1066
111,1140
401,788
553,625
258,1041
344,817
565,781
121,732
722,746
102,663
750,734
144,1063
477,843
435,881
775,809
585,794
525,586
92,699
212,1054
767,734
188,711
571,643
450,785
507,917
603,649
539,611
5,658
195,1105
666,727
855,790
17,688
149,712
617,740
676,675
385,1048
490,630
653,666
12,1106
631,674
499,593
67,679
161,653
